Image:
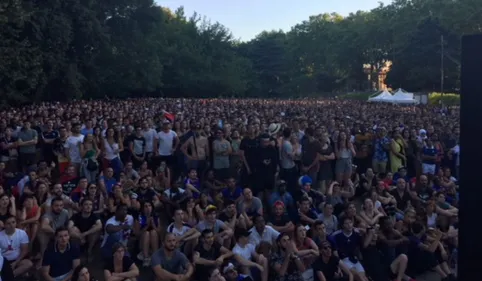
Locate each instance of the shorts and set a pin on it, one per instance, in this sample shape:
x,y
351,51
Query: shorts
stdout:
x,y
379,166
428,169
357,266
343,166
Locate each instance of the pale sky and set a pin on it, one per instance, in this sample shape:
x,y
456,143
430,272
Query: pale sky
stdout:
x,y
247,18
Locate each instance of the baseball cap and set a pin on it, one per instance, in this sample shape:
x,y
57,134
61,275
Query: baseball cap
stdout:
x,y
228,268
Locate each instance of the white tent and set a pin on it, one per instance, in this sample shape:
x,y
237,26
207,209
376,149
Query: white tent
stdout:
x,y
402,97
402,94
384,96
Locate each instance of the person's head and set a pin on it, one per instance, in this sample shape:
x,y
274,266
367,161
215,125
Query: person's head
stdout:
x,y
325,249
430,207
121,212
178,215
282,187
347,224
119,251
211,213
423,180
215,275
231,183
230,272
62,236
417,229
264,140
368,204
401,184
147,208
76,127
207,236
440,197
327,209
10,224
192,174
259,223
410,216
230,206
319,228
242,236
287,133
248,194
81,273
57,205
300,232
170,242
279,208
283,240
87,205
304,204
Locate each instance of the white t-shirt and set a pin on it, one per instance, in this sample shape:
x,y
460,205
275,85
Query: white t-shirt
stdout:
x,y
246,252
149,135
178,232
110,150
11,246
1,265
73,144
456,150
269,235
125,233
165,141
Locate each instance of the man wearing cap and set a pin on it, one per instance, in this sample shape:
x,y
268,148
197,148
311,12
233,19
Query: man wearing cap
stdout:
x,y
221,231
232,274
244,252
280,220
266,166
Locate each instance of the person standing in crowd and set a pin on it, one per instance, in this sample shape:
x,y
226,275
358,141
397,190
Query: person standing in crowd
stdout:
x,y
221,151
288,171
49,135
249,155
27,140
165,144
72,147
137,147
381,146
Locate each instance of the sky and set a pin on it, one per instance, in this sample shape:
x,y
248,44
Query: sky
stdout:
x,y
248,18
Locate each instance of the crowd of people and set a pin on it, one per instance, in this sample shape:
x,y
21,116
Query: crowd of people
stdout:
x,y
228,189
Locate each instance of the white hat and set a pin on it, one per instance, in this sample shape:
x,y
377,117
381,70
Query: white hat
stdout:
x,y
228,267
273,128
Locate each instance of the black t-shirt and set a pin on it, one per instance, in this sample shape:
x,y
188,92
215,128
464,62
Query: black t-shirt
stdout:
x,y
402,200
52,135
202,271
250,147
138,143
5,152
310,214
327,268
84,223
146,196
225,218
280,221
126,264
69,184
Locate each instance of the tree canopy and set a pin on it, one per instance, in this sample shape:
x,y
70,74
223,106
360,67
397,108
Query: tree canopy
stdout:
x,y
72,49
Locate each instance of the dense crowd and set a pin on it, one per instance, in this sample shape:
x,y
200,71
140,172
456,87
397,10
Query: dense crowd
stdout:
x,y
228,189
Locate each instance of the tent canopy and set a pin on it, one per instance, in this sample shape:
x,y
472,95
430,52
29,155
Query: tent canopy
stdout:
x,y
401,94
383,96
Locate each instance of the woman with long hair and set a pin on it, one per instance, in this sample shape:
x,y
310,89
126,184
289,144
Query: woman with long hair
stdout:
x,y
306,249
29,217
7,208
89,151
81,273
344,151
94,194
147,229
120,267
112,145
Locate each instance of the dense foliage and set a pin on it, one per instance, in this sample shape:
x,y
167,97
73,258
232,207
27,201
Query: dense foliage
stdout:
x,y
70,49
